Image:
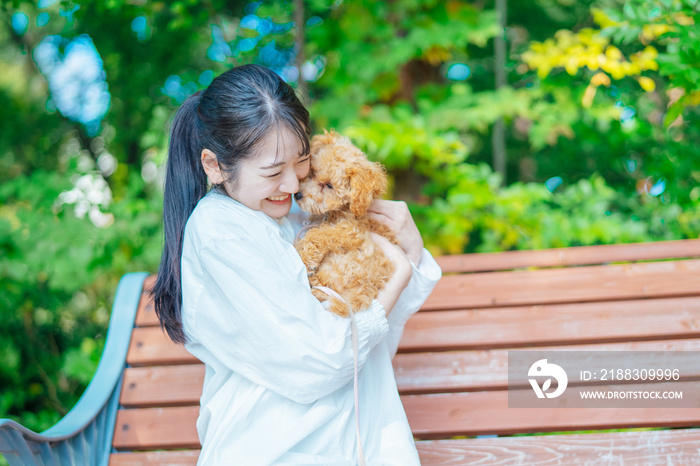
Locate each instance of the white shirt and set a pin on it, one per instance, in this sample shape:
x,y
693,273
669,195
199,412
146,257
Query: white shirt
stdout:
x,y
278,386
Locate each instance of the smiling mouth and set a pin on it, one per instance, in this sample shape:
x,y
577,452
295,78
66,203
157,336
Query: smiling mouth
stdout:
x,y
278,198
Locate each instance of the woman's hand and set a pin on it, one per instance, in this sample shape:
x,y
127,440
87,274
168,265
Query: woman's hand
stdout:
x,y
402,272
395,215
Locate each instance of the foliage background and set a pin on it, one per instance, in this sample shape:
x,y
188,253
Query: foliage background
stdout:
x,y
600,113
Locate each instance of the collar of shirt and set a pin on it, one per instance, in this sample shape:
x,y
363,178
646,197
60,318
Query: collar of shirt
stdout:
x,y
283,225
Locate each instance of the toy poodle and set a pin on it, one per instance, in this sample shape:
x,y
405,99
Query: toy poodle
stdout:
x,y
337,248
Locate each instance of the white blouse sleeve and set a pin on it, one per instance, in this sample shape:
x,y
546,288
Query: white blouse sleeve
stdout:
x,y
424,278
256,315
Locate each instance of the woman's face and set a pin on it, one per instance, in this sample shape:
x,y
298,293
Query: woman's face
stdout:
x,y
267,181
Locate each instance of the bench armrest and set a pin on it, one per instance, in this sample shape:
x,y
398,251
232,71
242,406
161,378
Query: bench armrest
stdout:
x,y
84,435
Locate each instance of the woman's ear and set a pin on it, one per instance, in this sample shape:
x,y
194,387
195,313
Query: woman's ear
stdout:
x,y
211,167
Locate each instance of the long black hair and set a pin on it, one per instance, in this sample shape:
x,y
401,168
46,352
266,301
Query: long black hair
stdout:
x,y
229,118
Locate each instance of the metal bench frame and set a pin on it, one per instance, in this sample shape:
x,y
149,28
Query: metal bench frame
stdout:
x,y
84,435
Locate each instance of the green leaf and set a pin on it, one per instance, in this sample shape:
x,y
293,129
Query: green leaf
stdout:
x,y
673,112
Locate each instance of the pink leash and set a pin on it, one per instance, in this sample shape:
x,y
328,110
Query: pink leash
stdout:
x,y
308,225
353,328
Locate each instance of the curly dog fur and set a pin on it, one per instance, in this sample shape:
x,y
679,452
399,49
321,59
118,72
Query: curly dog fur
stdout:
x,y
339,253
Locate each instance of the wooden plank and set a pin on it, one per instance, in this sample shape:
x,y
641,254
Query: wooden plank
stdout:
x,y
553,324
156,428
579,284
484,262
446,289
566,324
146,302
150,346
430,417
155,458
162,386
146,313
453,371
562,257
657,447
416,373
487,413
146,317
641,447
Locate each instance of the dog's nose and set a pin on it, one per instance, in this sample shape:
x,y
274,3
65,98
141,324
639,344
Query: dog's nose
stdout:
x,y
298,195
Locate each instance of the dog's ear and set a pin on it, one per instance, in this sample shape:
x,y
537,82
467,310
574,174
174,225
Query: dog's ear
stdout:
x,y
319,141
367,181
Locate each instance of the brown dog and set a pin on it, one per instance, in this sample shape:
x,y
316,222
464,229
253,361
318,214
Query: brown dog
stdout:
x,y
339,253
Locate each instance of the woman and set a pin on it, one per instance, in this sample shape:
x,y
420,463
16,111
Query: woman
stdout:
x,y
278,385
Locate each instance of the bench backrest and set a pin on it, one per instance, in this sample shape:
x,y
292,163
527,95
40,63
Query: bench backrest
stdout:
x,y
451,368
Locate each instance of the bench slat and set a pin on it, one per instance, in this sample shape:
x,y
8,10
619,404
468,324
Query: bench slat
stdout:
x,y
156,428
415,373
430,416
162,386
593,283
558,257
455,371
561,257
498,328
579,284
150,346
483,413
146,316
553,324
155,458
645,447
145,303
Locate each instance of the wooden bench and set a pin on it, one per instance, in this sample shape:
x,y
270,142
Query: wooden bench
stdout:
x,y
451,368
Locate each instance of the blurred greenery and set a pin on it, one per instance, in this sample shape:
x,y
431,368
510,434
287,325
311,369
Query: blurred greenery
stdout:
x,y
601,117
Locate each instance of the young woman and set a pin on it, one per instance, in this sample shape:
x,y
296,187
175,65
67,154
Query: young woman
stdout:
x,y
278,386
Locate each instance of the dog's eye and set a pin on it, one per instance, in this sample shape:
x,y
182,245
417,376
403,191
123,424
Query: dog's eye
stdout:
x,y
328,185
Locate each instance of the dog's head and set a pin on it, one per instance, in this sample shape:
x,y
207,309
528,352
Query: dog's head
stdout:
x,y
340,177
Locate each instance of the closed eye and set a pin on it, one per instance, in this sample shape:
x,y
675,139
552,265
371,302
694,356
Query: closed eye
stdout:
x,y
299,162
328,185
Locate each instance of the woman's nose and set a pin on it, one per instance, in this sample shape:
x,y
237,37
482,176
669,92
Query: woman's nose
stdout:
x,y
290,183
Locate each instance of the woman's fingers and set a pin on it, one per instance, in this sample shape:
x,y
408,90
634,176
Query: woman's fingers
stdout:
x,y
402,266
392,213
393,252
397,217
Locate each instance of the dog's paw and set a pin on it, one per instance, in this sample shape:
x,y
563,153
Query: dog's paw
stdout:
x,y
338,307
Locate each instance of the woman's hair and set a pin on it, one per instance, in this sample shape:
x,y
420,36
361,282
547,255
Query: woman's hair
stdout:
x,y
229,118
